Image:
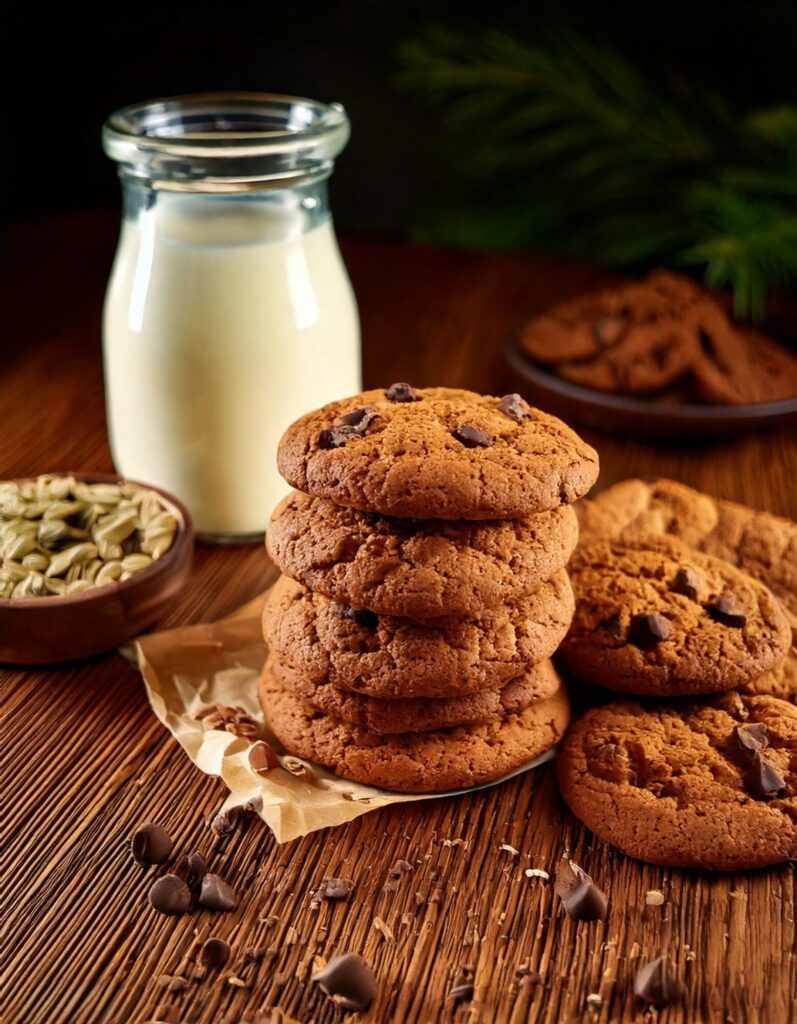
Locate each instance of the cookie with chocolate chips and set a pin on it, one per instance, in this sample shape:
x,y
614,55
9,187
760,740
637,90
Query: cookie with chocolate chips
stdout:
x,y
631,339
656,618
437,453
389,657
416,762
416,568
421,714
707,784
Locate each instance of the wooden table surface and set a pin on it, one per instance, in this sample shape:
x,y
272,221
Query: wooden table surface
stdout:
x,y
84,761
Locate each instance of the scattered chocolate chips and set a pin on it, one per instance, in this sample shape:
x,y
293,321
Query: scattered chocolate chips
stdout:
x,y
262,758
751,737
608,330
763,780
363,617
582,899
192,867
215,952
151,844
657,983
399,868
515,407
348,981
216,894
336,888
402,393
648,629
687,583
723,610
170,895
472,437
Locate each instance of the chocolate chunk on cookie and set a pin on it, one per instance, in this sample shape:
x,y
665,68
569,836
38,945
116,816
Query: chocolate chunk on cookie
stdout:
x,y
634,631
671,785
422,762
399,657
421,714
450,454
416,568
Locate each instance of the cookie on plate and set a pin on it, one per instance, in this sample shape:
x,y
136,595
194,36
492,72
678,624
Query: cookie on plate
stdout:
x,y
421,714
437,453
739,366
633,338
416,568
707,784
420,762
656,618
386,656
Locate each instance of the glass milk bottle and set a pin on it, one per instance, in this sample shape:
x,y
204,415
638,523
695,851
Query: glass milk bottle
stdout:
x,y
229,312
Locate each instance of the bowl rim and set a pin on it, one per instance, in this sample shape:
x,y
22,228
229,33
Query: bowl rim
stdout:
x,y
683,411
184,537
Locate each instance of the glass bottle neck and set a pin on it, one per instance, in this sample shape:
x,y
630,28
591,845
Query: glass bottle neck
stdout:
x,y
231,219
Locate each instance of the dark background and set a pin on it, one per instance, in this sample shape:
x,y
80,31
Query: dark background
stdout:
x,y
66,66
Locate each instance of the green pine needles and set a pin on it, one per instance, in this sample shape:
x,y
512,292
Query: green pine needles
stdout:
x,y
572,150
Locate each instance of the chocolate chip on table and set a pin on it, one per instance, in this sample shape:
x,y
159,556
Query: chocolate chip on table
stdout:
x,y
170,895
608,330
648,629
657,984
348,981
363,617
515,407
687,583
151,844
336,888
723,610
192,868
215,952
751,737
471,437
401,393
763,780
581,898
216,894
399,868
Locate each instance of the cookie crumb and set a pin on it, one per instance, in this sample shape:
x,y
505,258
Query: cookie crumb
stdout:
x,y
654,898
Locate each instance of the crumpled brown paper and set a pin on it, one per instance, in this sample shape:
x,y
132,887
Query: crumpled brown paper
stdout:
x,y
192,671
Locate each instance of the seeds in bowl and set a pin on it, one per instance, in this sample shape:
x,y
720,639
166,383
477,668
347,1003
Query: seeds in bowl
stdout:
x,y
59,535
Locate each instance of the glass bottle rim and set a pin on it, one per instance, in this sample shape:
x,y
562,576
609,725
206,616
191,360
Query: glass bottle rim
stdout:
x,y
226,141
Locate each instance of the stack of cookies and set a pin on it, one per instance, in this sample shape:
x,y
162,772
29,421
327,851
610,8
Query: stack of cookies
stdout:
x,y
700,768
424,587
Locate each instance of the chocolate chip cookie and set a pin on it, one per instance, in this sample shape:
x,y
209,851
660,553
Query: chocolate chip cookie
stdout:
x,y
420,762
631,339
707,784
740,366
386,656
656,618
635,509
416,568
421,714
437,453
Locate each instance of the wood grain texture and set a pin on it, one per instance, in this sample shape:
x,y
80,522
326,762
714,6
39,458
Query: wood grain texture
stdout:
x,y
83,760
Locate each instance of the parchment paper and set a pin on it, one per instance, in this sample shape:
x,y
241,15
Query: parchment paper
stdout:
x,y
195,675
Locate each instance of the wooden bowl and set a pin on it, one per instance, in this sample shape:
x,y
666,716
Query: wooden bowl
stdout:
x,y
50,630
638,417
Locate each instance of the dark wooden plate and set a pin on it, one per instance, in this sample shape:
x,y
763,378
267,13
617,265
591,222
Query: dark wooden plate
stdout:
x,y
619,414
50,630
